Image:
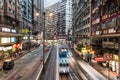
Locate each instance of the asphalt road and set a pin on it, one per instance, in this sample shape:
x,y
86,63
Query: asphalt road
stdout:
x,y
50,69
51,66
26,68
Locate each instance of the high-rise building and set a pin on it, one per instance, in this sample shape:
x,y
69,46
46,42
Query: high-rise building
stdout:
x,y
105,30
61,19
36,19
81,21
69,18
27,17
51,21
10,18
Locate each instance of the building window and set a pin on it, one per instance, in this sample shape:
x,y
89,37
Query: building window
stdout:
x,y
103,26
10,10
10,1
118,21
104,39
1,4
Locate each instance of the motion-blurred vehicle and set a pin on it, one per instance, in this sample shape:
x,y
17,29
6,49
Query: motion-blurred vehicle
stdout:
x,y
64,62
70,53
8,64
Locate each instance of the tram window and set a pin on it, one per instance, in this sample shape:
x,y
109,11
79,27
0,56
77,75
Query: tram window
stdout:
x,y
67,64
116,40
63,65
60,64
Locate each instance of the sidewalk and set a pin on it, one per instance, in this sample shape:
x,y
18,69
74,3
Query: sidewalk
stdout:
x,y
23,52
102,70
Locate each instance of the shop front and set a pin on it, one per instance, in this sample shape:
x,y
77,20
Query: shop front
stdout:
x,y
6,43
87,52
109,60
5,52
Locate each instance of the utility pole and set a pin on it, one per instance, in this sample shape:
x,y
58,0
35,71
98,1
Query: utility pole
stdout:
x,y
119,57
43,41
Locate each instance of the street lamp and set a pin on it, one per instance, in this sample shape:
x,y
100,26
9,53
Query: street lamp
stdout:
x,y
43,29
50,15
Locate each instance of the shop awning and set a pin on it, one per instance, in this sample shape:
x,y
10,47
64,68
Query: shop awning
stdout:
x,y
107,35
10,34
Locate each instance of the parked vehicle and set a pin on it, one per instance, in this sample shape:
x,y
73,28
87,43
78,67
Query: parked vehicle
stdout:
x,y
8,64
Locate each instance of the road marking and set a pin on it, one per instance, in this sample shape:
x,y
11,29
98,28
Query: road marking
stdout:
x,y
73,76
37,78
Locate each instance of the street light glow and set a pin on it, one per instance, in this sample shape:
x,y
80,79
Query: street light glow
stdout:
x,y
51,14
37,14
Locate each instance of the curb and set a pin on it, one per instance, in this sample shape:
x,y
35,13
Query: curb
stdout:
x,y
40,71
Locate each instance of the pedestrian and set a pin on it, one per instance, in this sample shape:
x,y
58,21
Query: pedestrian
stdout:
x,y
114,78
81,56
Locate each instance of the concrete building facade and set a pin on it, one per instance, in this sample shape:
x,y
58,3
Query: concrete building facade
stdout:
x,y
81,21
27,17
69,18
10,18
105,28
51,21
61,19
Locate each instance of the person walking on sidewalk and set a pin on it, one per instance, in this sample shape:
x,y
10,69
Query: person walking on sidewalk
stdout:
x,y
89,57
114,78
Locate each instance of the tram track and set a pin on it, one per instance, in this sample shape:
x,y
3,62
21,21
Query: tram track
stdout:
x,y
70,76
64,77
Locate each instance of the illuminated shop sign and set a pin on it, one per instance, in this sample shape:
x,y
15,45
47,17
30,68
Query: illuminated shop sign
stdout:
x,y
5,29
8,39
5,48
25,37
5,40
99,59
13,30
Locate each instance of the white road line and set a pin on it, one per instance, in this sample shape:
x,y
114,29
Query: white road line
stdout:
x,y
37,78
73,75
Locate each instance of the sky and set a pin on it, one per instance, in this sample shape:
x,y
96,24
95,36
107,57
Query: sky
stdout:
x,y
50,2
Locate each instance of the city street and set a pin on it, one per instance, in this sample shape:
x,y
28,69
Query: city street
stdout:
x,y
27,67
59,39
83,70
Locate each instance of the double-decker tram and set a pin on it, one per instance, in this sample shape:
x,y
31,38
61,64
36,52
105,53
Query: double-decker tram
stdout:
x,y
63,61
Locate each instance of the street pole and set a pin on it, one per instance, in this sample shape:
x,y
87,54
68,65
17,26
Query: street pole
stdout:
x,y
43,40
119,57
108,71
